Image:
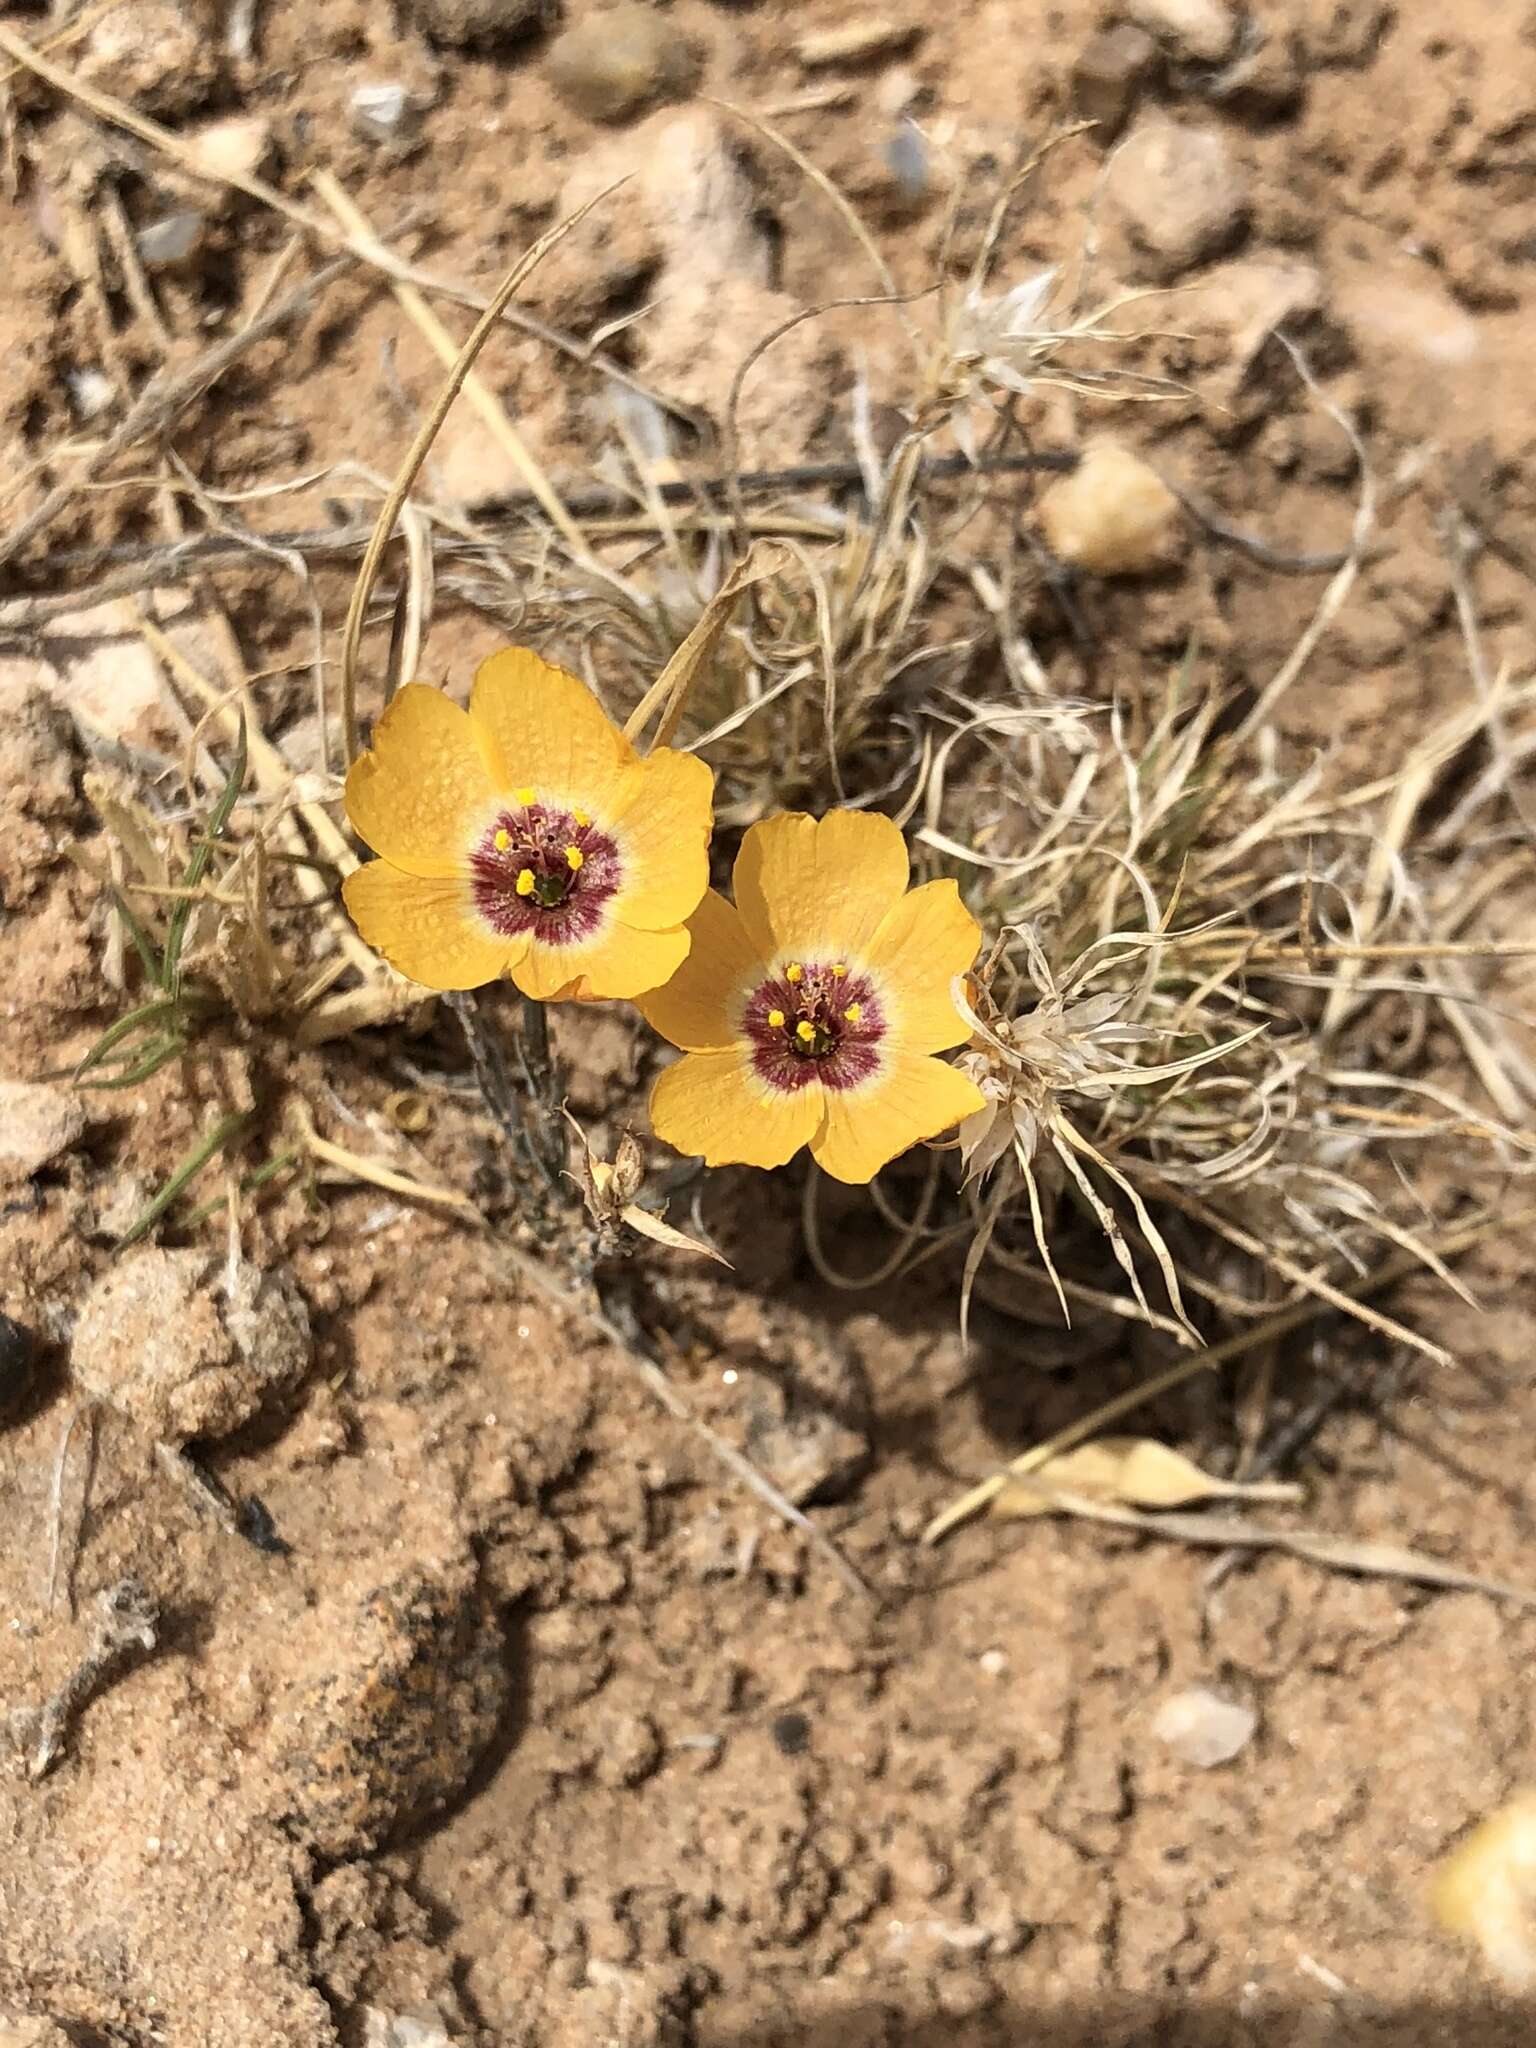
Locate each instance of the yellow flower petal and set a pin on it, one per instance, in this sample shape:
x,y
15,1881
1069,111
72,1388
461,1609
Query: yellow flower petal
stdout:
x,y
423,790
617,962
543,729
712,1105
814,887
913,1098
662,822
921,946
427,927
699,1008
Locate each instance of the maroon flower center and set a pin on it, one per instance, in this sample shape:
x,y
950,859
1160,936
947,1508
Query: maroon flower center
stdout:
x,y
815,1021
544,869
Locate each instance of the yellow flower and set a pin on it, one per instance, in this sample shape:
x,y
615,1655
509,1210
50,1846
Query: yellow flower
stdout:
x,y
526,837
810,1012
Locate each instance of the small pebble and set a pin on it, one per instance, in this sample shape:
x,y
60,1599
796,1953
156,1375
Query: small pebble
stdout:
x,y
1180,193
792,1734
91,392
173,239
467,24
397,2030
612,66
1203,30
238,148
152,54
1112,516
1203,1729
1111,72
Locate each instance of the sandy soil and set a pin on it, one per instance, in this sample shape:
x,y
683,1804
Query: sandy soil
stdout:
x,y
536,1731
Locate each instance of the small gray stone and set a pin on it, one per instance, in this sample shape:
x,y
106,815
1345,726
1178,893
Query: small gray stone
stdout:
x,y
1110,74
385,113
174,238
1180,194
467,24
611,66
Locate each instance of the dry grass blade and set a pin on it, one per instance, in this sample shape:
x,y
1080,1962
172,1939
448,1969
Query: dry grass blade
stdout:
x,y
1335,1553
426,434
443,346
359,1167
668,696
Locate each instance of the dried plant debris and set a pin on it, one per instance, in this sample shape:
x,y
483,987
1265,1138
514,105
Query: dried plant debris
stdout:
x,y
124,1625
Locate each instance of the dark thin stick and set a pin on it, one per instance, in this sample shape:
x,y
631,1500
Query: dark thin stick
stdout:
x,y
168,561
1264,552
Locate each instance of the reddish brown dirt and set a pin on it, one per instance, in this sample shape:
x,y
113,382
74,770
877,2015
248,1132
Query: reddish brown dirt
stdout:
x,y
539,1732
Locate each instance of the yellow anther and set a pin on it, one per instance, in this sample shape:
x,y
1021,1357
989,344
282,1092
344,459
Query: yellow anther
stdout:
x,y
853,1013
525,882
526,796
839,972
794,971
574,858
581,817
503,839
776,1019
805,1031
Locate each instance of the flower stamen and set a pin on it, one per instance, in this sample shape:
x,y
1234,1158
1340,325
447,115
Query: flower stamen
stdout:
x,y
527,797
503,839
525,881
574,859
776,1019
794,972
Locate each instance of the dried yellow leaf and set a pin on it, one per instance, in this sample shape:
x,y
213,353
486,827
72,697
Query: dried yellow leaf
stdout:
x,y
1134,1469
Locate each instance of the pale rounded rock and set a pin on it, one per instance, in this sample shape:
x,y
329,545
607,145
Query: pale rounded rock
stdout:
x,y
611,66
1202,1729
1113,516
152,54
162,1339
39,1123
1179,192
